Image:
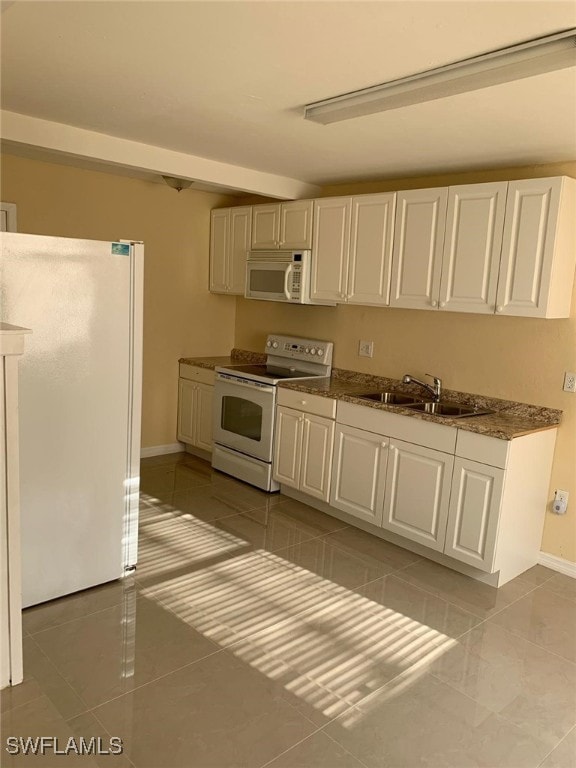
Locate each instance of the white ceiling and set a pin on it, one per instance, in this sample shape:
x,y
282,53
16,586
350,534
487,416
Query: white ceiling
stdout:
x,y
228,81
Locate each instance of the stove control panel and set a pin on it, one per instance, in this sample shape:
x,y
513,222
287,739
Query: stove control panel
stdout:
x,y
306,350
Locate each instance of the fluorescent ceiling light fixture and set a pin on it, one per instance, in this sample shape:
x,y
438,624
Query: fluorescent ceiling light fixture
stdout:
x,y
534,57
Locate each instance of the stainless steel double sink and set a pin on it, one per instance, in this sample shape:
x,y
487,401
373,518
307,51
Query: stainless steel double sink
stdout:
x,y
442,408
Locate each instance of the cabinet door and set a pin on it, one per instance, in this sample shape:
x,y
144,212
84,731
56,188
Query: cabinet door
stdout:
x,y
288,446
316,462
418,242
358,473
219,234
371,249
330,247
417,493
240,228
528,246
265,226
186,410
474,513
472,246
296,225
203,416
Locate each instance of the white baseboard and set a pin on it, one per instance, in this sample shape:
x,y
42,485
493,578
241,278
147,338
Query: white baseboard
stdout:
x,y
566,567
160,450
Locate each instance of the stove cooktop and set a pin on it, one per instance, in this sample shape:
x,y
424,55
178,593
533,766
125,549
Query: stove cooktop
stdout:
x,y
268,373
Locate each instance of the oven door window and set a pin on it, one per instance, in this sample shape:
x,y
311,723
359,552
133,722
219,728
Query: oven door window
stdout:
x,y
242,417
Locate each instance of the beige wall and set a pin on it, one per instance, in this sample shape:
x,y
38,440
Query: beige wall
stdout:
x,y
181,318
513,358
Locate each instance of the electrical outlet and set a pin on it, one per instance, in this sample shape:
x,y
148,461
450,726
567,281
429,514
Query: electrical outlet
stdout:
x,y
560,503
365,348
569,382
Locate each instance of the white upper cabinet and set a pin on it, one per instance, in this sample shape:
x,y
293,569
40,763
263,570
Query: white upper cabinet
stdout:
x,y
538,249
286,226
418,244
330,248
296,225
229,244
352,248
370,254
472,245
219,236
239,245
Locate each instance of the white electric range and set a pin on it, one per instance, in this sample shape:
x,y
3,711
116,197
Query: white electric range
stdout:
x,y
245,405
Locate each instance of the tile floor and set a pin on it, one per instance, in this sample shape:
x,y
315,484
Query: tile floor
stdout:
x,y
260,632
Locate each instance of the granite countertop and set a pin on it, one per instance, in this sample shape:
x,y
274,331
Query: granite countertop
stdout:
x,y
236,357
509,420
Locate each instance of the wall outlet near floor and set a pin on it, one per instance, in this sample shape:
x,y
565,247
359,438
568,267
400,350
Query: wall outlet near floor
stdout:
x,y
560,503
569,382
365,348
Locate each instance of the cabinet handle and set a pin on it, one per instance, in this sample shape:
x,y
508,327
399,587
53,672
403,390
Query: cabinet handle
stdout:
x,y
434,303
383,444
303,402
442,303
499,309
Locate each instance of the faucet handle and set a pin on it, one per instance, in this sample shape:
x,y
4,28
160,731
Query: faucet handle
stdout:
x,y
437,385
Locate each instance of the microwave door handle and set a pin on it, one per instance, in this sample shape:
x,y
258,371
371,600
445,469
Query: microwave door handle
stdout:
x,y
286,276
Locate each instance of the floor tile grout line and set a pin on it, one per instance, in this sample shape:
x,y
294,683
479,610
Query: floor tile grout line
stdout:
x,y
136,688
84,616
572,730
4,712
499,714
64,680
469,610
101,724
296,744
325,732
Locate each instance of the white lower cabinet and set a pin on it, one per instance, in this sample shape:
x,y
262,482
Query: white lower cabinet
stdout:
x,y
195,402
303,443
417,493
288,447
474,513
358,473
475,499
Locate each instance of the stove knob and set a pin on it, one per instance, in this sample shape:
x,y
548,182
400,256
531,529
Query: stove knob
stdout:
x,y
313,351
307,350
274,345
320,352
268,343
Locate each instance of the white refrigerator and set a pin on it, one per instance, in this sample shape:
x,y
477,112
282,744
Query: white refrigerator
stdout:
x,y
80,400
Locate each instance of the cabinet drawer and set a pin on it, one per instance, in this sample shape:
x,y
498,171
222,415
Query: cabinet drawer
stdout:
x,y
408,428
486,450
200,375
302,401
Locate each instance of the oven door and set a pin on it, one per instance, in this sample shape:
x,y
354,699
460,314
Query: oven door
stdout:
x,y
244,416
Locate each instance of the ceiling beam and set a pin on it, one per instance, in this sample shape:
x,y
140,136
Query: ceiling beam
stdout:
x,y
88,145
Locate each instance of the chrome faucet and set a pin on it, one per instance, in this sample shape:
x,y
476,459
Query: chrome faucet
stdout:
x,y
435,390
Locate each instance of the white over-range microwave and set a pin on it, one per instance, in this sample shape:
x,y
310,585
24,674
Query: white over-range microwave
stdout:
x,y
279,276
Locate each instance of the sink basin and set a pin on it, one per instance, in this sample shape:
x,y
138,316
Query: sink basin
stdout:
x,y
450,410
389,398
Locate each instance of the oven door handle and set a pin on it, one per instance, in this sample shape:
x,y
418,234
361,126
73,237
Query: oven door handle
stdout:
x,y
240,383
286,276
